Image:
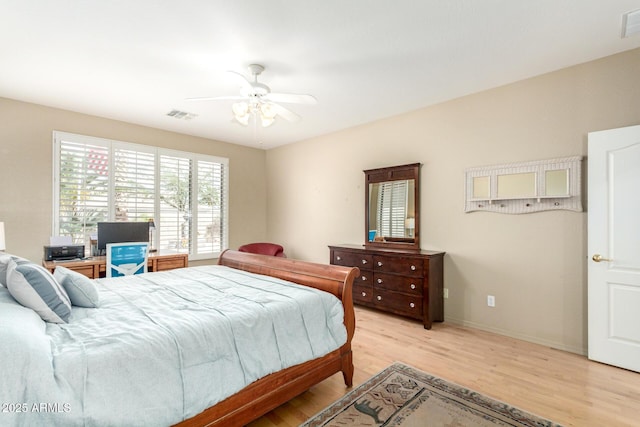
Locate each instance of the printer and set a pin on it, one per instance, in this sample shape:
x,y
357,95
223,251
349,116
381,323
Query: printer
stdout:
x,y
62,253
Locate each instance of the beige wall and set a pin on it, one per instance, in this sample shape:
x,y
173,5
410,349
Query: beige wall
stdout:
x,y
26,171
534,264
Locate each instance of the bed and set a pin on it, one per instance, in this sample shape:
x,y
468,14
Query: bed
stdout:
x,y
100,369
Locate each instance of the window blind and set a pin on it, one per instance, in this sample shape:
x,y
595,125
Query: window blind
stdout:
x,y
83,189
210,214
134,184
174,223
102,180
392,207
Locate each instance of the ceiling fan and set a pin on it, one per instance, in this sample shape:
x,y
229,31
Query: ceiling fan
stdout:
x,y
258,102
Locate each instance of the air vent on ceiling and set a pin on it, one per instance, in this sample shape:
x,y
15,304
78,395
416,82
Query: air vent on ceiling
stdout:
x,y
631,23
181,115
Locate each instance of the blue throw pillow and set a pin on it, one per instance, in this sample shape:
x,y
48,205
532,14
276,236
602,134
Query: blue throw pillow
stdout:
x,y
82,291
34,287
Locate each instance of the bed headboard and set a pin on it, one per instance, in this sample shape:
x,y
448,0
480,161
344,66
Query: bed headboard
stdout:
x,y
329,278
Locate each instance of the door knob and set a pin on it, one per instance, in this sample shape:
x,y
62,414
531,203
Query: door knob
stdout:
x,y
598,258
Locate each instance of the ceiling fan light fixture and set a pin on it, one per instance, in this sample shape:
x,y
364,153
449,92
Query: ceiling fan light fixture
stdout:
x,y
261,105
266,121
243,120
267,114
240,109
241,112
267,110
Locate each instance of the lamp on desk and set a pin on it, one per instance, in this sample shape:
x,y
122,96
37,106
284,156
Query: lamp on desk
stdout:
x,y
410,224
152,232
2,243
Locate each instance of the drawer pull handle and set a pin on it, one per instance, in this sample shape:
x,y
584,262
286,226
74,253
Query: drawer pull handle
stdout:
x,y
413,286
364,261
364,278
379,263
364,294
379,298
379,280
413,268
338,258
412,305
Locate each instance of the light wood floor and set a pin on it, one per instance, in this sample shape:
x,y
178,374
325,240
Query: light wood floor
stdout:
x,y
564,387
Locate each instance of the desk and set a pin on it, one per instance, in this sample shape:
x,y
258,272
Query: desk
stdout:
x,y
95,267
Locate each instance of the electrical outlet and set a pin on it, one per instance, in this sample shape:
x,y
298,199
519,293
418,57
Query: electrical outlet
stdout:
x,y
491,301
446,293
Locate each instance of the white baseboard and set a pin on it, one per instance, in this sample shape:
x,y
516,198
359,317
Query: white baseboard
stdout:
x,y
511,334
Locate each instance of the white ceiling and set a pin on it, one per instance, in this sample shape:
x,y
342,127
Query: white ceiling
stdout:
x,y
136,60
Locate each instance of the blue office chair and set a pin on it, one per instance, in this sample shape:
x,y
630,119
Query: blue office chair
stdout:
x,y
125,259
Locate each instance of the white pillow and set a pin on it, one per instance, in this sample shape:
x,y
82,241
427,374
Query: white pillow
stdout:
x,y
34,287
4,263
82,291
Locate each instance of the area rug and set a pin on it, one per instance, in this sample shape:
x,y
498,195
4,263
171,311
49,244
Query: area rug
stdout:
x,y
403,396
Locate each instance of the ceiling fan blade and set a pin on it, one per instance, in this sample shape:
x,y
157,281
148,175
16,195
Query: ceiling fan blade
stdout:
x,y
244,82
216,98
291,98
285,113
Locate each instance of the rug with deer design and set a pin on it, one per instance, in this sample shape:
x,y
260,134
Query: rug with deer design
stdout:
x,y
403,396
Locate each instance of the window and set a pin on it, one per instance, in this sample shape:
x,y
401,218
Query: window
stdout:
x,y
392,208
101,180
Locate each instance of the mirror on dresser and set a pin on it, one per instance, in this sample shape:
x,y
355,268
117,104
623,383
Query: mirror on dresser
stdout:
x,y
392,207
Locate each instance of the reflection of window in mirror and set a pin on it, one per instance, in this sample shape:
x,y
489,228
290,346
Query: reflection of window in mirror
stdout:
x,y
392,208
517,185
556,182
481,187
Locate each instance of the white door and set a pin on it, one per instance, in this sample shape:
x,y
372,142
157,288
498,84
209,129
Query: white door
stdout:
x,y
614,247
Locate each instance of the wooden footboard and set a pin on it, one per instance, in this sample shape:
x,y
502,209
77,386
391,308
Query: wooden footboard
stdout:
x,y
273,390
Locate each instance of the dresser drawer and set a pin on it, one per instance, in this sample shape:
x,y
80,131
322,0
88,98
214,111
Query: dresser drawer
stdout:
x,y
169,263
394,282
365,278
362,293
352,259
407,305
405,266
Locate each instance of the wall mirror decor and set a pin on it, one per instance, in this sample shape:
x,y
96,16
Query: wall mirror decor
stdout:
x,y
392,207
525,187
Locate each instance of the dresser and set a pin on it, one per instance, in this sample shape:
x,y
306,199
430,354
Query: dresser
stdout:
x,y
404,282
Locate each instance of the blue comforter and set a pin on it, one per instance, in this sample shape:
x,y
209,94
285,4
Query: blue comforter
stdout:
x,y
161,347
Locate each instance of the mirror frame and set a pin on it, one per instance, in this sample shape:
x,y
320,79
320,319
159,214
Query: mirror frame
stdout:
x,y
393,173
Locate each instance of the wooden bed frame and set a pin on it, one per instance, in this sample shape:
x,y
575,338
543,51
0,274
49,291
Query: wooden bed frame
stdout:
x,y
275,389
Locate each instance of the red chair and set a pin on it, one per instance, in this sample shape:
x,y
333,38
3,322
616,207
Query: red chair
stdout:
x,y
263,249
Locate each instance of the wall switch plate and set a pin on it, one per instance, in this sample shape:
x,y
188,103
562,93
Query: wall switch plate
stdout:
x,y
446,293
491,301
